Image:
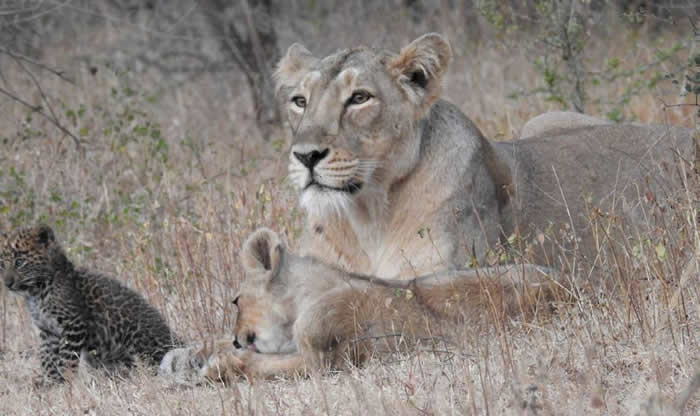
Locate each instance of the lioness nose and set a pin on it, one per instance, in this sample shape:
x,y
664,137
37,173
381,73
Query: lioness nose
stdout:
x,y
311,158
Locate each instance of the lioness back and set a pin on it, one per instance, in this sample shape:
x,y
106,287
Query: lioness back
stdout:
x,y
555,121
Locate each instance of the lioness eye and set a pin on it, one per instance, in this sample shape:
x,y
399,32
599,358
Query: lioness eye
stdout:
x,y
359,97
299,101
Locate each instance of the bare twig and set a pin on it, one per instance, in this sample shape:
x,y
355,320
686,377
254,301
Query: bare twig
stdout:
x,y
44,97
37,109
18,57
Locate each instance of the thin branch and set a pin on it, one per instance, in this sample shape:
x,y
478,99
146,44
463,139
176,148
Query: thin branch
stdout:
x,y
18,57
37,15
44,98
37,109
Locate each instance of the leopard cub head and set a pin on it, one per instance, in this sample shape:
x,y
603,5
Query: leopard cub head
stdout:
x,y
29,258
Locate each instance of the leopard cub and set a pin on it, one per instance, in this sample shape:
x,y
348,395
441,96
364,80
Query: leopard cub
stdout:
x,y
79,312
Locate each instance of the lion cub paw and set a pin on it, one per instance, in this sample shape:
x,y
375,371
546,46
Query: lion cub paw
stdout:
x,y
226,367
182,365
192,365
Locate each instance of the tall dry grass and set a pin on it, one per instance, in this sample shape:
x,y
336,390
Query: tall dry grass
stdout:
x,y
170,181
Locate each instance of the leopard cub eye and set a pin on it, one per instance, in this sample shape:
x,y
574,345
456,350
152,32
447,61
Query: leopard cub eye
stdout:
x,y
19,263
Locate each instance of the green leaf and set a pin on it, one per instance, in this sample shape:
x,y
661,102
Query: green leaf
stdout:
x,y
660,252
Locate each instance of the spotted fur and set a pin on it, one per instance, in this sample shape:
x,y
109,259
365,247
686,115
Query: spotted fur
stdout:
x,y
79,312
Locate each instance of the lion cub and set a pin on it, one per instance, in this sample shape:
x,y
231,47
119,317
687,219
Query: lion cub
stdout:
x,y
298,314
79,312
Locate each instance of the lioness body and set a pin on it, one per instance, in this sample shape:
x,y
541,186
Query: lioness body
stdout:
x,y
298,314
397,183
447,211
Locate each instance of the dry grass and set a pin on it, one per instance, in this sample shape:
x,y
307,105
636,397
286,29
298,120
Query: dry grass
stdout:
x,y
167,186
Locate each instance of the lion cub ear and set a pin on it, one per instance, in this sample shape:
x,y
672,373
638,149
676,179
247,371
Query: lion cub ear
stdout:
x,y
262,252
419,68
292,67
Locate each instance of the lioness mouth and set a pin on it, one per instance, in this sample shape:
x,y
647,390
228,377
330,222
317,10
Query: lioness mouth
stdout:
x,y
350,188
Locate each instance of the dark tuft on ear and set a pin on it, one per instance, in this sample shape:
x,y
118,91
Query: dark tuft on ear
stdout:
x,y
44,235
419,69
419,79
262,251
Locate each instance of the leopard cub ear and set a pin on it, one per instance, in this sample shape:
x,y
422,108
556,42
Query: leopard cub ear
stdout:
x,y
44,235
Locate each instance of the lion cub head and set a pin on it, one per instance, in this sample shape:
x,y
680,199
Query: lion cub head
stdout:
x,y
354,119
279,286
265,318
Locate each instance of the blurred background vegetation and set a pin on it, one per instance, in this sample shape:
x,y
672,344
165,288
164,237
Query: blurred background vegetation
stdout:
x,y
147,132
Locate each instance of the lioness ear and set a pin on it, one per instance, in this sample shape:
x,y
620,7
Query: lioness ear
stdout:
x,y
419,68
262,252
293,65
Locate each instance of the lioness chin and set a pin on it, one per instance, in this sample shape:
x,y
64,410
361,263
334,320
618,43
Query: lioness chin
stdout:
x,y
298,315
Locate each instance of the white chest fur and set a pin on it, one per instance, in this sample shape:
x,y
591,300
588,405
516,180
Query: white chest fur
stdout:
x,y
41,319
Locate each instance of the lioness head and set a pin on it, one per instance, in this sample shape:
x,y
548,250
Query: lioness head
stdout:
x,y
353,116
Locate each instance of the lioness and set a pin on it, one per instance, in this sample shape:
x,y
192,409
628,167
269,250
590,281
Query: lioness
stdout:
x,y
298,314
396,182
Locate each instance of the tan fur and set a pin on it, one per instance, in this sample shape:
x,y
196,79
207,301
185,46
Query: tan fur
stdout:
x,y
551,122
408,186
339,319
